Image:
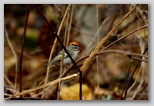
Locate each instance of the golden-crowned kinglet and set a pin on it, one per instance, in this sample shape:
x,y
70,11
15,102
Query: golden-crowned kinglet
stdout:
x,y
73,50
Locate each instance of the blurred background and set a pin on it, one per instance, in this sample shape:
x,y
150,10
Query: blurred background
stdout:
x,y
105,76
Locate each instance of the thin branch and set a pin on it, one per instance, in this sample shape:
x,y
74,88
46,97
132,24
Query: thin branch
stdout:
x,y
54,44
97,57
129,83
29,55
140,59
22,50
15,56
104,39
8,81
92,39
70,25
61,63
126,82
115,51
99,53
138,89
141,90
128,34
125,53
85,35
55,34
140,12
51,83
111,44
102,52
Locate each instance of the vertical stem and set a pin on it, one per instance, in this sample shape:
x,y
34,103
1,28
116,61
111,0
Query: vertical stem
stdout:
x,y
129,83
70,24
21,53
97,57
16,58
61,65
55,34
80,85
54,45
104,39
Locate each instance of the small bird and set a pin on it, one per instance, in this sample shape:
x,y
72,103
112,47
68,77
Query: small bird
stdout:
x,y
73,50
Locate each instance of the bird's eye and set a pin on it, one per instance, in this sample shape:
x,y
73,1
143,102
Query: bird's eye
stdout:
x,y
76,47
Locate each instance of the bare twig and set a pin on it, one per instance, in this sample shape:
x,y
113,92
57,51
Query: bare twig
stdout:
x,y
8,81
102,52
85,35
126,82
15,56
11,89
97,57
93,39
44,85
129,82
141,90
121,51
140,13
22,50
116,51
123,36
55,34
70,25
138,89
61,65
127,89
130,33
104,39
53,47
